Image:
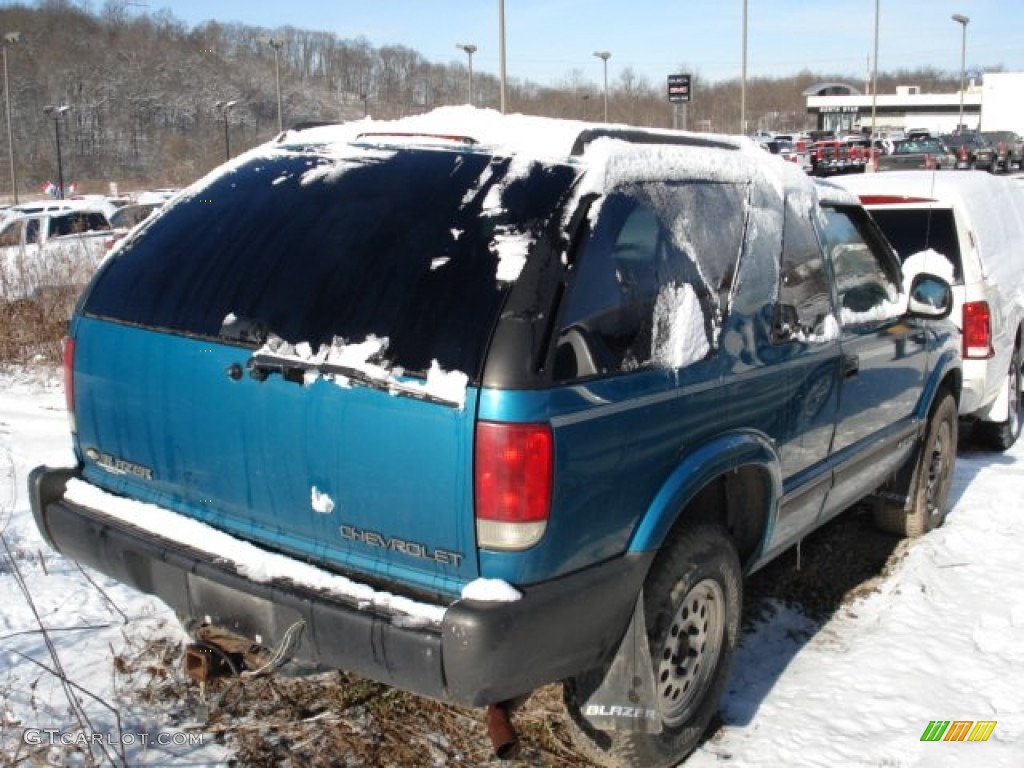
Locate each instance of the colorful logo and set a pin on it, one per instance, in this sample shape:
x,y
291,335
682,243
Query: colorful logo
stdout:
x,y
958,730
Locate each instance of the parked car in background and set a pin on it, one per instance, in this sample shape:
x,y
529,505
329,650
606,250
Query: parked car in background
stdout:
x,y
54,250
976,222
972,151
471,404
127,218
1009,149
916,153
132,215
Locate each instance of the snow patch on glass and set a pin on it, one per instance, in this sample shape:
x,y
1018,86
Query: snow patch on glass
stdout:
x,y
511,250
829,332
887,310
446,386
330,171
679,338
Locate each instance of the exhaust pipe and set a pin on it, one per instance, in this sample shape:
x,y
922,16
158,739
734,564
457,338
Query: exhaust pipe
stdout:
x,y
500,730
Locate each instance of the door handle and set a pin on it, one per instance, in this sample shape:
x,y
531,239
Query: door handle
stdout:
x,y
851,366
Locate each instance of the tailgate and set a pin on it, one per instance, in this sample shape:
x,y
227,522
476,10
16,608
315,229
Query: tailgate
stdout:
x,y
350,477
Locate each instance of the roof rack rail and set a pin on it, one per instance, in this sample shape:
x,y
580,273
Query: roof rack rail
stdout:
x,y
640,136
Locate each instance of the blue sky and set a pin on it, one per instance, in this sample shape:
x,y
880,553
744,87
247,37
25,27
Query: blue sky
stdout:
x,y
547,39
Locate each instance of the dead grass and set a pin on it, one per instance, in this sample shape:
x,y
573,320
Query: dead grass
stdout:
x,y
32,330
333,719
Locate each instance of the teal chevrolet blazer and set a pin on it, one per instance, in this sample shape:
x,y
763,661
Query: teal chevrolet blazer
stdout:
x,y
471,404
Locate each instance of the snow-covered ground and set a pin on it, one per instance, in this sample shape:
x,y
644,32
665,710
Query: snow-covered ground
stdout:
x,y
941,640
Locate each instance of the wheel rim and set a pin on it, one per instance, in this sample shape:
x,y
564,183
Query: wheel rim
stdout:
x,y
938,466
692,648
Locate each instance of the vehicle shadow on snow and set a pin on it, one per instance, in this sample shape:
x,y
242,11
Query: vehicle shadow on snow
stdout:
x,y
972,459
789,601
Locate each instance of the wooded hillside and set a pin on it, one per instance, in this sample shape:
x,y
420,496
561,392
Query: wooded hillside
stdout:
x,y
143,89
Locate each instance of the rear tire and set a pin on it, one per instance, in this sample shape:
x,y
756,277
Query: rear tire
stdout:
x,y
692,601
926,507
1000,435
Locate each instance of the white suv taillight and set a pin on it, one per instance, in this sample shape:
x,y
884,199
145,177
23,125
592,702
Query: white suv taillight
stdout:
x,y
69,380
512,476
977,331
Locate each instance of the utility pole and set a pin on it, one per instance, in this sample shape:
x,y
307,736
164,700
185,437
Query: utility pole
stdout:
x,y
470,49
604,56
277,45
9,39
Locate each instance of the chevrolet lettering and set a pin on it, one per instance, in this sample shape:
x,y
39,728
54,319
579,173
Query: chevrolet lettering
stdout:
x,y
410,548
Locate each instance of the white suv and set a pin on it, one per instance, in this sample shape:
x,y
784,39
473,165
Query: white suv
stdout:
x,y
976,221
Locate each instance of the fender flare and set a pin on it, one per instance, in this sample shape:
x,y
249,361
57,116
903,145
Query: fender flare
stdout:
x,y
947,364
698,467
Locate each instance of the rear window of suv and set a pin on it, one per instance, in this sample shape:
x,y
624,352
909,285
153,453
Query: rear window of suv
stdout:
x,y
911,231
396,244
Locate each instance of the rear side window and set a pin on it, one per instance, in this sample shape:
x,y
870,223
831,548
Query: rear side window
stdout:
x,y
914,230
403,245
653,280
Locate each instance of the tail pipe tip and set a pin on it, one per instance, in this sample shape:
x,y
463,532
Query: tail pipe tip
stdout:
x,y
503,735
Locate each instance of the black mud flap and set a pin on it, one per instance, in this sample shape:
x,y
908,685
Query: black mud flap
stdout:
x,y
625,699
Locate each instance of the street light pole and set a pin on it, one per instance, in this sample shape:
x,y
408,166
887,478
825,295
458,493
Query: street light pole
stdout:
x,y
743,76
963,21
277,45
501,51
56,113
604,56
10,38
225,107
874,83
470,49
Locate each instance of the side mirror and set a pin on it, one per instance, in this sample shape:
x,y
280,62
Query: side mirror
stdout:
x,y
930,297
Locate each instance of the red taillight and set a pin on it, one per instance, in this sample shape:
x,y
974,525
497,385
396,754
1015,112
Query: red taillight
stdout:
x,y
512,474
69,378
977,331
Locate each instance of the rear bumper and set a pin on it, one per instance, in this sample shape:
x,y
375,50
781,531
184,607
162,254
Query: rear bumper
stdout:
x,y
481,653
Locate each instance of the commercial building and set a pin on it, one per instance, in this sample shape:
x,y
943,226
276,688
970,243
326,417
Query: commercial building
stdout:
x,y
994,103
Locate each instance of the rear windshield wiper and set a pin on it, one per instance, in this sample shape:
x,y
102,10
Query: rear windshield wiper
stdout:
x,y
262,365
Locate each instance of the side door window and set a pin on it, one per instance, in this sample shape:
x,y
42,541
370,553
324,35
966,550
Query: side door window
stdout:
x,y
868,284
32,231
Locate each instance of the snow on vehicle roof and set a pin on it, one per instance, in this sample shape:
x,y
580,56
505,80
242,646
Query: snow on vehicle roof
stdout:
x,y
714,157
830,192
540,137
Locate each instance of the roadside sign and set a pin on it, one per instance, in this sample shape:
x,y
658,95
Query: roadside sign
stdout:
x,y
679,88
